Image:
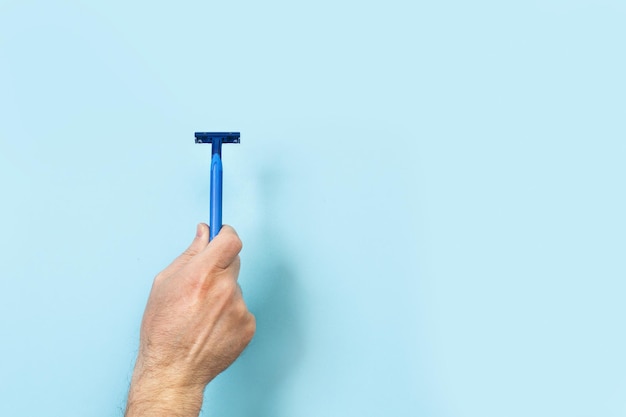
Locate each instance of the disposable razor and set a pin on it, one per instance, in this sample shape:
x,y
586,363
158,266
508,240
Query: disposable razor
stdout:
x,y
215,205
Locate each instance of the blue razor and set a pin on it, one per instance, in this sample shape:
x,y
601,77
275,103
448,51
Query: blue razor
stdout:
x,y
216,139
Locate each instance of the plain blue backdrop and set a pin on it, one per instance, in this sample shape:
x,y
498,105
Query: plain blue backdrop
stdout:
x,y
430,195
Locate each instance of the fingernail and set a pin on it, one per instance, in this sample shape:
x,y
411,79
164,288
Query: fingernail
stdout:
x,y
199,230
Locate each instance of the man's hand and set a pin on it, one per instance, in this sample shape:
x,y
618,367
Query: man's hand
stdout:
x,y
195,325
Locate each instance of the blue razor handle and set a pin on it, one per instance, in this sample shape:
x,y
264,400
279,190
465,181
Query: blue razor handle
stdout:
x,y
215,210
216,139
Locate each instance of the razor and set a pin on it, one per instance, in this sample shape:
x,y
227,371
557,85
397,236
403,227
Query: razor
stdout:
x,y
216,139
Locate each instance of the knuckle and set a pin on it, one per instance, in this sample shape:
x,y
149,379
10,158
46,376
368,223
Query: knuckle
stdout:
x,y
233,243
225,288
250,328
240,309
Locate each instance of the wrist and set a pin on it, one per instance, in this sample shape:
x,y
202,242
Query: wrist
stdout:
x,y
148,400
151,394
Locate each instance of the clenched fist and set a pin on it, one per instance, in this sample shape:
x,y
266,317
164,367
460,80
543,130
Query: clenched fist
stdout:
x,y
194,326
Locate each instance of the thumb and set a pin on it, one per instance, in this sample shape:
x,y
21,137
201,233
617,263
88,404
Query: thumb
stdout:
x,y
199,242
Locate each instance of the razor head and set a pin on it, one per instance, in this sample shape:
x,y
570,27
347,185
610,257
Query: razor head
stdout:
x,y
225,137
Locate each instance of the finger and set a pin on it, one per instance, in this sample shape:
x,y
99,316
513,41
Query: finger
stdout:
x,y
224,249
236,266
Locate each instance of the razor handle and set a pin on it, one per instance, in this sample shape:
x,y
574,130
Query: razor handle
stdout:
x,y
215,209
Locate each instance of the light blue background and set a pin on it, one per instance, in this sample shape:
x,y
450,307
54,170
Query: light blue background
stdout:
x,y
430,195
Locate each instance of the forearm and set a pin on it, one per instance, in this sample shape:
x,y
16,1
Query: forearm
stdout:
x,y
158,394
147,399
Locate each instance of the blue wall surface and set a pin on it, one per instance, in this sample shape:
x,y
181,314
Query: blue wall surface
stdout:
x,y
430,195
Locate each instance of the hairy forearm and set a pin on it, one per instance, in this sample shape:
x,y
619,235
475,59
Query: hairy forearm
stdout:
x,y
157,393
147,399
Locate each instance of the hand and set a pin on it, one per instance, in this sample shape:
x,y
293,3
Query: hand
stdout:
x,y
195,325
